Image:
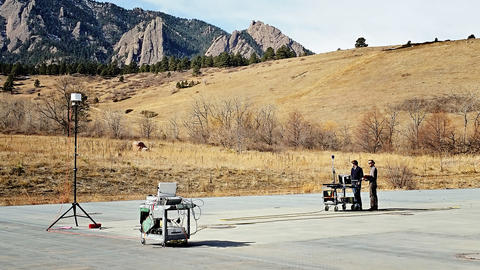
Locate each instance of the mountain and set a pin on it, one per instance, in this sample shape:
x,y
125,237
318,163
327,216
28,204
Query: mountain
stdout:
x,y
45,31
34,31
256,39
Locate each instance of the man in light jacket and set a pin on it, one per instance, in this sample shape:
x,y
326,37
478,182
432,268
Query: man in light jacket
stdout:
x,y
372,178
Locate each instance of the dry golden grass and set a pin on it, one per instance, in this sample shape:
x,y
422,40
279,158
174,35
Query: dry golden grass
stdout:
x,y
38,169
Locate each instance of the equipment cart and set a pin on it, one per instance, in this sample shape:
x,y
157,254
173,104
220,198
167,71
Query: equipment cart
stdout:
x,y
335,194
165,218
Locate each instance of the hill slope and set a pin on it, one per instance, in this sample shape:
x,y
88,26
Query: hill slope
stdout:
x,y
336,86
325,87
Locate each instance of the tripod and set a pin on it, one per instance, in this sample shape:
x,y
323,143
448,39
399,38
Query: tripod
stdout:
x,y
75,204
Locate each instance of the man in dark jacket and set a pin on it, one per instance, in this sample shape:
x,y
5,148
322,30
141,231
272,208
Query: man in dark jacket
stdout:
x,y
372,178
357,175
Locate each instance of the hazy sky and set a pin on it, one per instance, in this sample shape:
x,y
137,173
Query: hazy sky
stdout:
x,y
324,25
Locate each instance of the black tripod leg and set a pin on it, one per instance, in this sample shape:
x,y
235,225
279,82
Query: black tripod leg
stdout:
x,y
75,213
87,214
60,217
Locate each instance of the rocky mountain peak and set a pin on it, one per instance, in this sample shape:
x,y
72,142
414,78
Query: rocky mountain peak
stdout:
x,y
237,42
142,44
256,39
268,36
17,17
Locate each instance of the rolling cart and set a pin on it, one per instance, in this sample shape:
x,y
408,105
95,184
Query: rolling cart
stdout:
x,y
335,194
165,218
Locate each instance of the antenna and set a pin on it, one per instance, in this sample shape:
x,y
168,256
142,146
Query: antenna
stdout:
x,y
76,99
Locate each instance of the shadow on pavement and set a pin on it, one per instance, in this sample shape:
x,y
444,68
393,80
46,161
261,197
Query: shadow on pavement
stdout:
x,y
219,244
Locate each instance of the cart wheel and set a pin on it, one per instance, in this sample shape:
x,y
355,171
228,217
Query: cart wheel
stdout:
x,y
326,207
352,207
143,241
336,208
344,207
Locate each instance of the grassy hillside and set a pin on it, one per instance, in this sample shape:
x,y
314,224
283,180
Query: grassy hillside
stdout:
x,y
333,86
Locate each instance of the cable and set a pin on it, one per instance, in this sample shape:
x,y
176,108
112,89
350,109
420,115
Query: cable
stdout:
x,y
198,203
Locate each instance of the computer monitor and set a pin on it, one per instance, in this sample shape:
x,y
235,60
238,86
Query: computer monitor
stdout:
x,y
345,179
167,189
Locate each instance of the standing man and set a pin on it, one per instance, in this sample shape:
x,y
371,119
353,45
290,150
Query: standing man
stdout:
x,y
357,175
372,178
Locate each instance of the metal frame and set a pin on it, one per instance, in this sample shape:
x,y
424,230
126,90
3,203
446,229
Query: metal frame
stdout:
x,y
164,237
334,187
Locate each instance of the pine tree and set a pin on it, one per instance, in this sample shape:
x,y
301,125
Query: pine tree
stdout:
x,y
196,70
164,64
222,60
238,60
253,59
361,42
269,54
17,69
172,63
8,85
81,68
209,61
197,61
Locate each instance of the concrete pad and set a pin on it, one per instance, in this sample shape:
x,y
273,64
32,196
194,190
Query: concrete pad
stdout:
x,y
436,229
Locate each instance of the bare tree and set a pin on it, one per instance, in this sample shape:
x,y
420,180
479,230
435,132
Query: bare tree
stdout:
x,y
467,102
436,133
56,105
174,129
147,126
114,121
416,109
392,122
198,122
243,117
5,114
345,138
371,131
475,137
265,124
295,129
223,115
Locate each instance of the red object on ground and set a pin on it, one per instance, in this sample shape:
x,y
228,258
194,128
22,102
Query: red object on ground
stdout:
x,y
94,226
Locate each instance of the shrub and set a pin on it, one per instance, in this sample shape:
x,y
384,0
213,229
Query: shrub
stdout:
x,y
400,176
149,114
